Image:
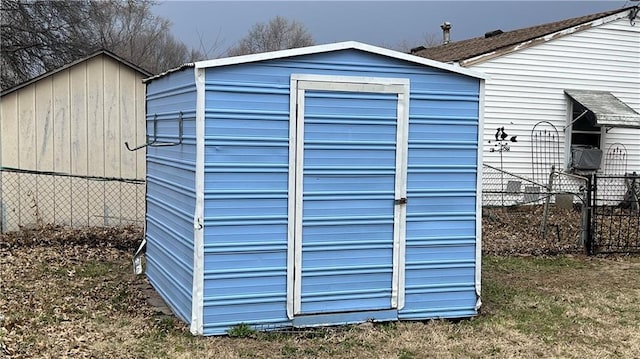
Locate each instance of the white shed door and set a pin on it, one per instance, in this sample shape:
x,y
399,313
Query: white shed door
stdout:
x,y
349,194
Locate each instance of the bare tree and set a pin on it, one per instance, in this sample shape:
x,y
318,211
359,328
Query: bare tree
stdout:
x,y
209,47
278,34
427,40
39,36
129,29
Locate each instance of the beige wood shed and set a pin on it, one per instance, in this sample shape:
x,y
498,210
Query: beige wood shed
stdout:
x,y
62,148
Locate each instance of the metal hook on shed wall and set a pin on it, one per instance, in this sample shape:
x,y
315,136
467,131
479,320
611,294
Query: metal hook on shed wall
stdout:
x,y
154,142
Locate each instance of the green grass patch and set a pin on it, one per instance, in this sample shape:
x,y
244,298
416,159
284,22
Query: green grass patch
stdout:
x,y
47,269
94,269
406,354
528,264
242,330
289,351
120,299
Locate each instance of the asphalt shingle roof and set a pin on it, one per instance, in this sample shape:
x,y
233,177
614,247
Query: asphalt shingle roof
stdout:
x,y
466,49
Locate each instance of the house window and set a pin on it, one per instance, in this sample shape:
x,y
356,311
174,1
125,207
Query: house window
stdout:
x,y
585,132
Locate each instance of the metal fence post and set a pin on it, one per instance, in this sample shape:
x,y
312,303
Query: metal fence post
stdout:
x,y
588,214
543,225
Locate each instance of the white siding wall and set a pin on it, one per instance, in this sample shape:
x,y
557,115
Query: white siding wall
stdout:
x,y
75,121
528,86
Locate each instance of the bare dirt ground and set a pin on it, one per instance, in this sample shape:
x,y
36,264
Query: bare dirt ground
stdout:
x,y
72,293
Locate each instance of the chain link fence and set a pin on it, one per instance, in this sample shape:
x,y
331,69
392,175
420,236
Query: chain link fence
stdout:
x,y
32,198
521,216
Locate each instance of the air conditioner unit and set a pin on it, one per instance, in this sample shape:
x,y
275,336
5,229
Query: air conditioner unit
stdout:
x,y
585,158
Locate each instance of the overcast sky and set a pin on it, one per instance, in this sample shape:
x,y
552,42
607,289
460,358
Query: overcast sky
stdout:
x,y
383,23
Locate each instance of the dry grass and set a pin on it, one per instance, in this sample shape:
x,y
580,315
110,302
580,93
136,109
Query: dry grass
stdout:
x,y
69,294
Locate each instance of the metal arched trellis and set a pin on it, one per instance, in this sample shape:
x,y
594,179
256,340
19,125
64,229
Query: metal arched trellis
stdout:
x,y
545,151
615,162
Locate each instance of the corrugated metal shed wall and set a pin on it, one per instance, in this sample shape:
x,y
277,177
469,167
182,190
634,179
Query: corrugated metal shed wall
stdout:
x,y
171,190
247,115
527,86
75,121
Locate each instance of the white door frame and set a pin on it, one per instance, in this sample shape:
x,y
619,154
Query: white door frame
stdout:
x,y
299,84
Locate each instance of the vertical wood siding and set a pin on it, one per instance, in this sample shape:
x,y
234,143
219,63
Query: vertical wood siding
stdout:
x,y
75,121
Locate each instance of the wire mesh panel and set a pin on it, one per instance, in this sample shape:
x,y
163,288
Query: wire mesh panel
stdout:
x,y
616,214
521,216
63,193
502,188
80,202
545,151
9,192
30,198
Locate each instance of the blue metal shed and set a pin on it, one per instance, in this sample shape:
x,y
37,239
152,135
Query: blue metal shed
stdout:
x,y
324,185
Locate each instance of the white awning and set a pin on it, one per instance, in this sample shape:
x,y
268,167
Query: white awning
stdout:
x,y
608,109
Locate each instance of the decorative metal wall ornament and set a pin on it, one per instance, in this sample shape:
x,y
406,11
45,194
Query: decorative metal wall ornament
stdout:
x,y
501,143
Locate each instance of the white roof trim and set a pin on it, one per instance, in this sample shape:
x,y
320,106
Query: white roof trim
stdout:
x,y
103,52
336,47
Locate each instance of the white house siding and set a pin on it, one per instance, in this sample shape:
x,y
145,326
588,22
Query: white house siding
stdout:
x,y
527,86
74,121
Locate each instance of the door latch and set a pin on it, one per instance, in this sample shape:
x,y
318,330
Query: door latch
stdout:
x,y
401,201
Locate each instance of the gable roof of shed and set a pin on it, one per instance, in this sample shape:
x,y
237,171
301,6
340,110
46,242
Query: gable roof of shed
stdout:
x,y
227,61
71,64
506,42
